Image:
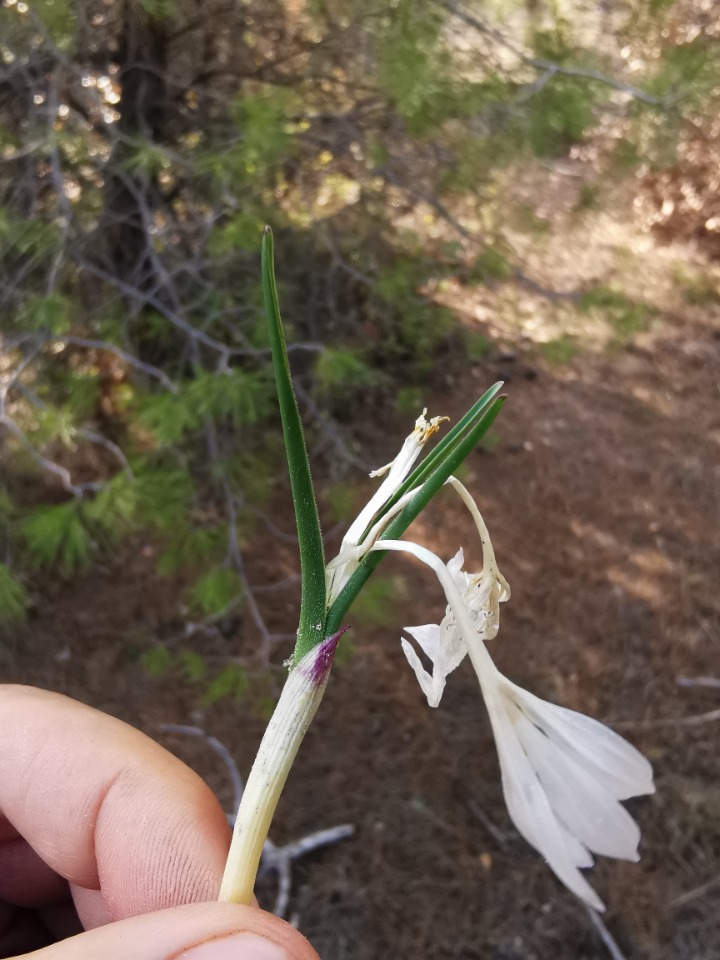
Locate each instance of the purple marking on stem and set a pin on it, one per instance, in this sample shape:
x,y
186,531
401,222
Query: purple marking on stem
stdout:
x,y
323,656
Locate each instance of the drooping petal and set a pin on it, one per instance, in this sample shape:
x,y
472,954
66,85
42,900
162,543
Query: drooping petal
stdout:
x,y
429,637
582,802
530,808
599,750
455,566
432,685
444,646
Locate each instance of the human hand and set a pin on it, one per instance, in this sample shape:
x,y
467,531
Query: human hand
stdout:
x,y
103,830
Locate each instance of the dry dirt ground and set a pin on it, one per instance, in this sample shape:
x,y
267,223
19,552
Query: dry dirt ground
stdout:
x,y
601,493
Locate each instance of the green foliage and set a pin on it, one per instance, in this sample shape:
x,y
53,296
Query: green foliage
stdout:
x,y
158,9
236,397
529,221
112,512
559,115
145,158
627,317
343,371
698,289
215,592
561,350
688,67
554,44
13,598
191,548
375,605
57,536
412,64
58,18
52,313
157,661
242,231
230,683
588,197
26,238
491,266
626,155
191,666
419,326
53,423
263,121
409,400
476,345
339,501
188,665
162,495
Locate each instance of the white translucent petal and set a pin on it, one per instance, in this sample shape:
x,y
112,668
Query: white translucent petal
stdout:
x,y
456,564
583,803
530,808
431,685
599,750
428,636
579,854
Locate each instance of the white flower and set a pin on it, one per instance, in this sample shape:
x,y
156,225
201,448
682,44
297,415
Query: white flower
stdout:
x,y
482,593
563,774
444,644
362,533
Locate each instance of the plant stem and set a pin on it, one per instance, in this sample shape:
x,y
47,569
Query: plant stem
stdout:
x,y
300,698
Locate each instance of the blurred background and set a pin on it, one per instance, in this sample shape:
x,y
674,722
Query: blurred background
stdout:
x,y
461,192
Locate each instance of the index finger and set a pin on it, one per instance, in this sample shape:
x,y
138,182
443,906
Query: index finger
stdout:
x,y
105,806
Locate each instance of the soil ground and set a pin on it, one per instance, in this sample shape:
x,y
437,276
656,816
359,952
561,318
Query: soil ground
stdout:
x,y
602,493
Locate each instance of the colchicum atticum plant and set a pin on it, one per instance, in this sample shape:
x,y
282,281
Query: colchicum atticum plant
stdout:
x,y
563,774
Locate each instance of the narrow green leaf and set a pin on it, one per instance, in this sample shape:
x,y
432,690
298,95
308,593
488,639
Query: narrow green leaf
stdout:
x,y
312,561
461,444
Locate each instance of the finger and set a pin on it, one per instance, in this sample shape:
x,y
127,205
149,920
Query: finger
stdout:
x,y
207,931
105,807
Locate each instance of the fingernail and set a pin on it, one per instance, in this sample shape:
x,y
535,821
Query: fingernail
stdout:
x,y
239,946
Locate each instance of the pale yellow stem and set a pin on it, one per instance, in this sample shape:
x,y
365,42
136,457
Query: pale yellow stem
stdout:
x,y
300,698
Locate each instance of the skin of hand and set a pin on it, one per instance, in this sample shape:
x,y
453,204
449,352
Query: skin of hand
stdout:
x,y
104,831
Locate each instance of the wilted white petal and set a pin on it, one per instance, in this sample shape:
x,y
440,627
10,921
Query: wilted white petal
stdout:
x,y
582,802
432,685
428,636
528,804
366,528
597,748
455,566
394,473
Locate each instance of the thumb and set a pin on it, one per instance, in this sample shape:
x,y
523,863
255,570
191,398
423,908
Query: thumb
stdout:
x,y
196,931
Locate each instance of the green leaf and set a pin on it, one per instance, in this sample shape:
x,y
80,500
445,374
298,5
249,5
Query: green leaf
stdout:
x,y
56,535
156,661
158,9
191,547
230,682
52,313
191,665
113,509
13,598
343,368
312,561
216,591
